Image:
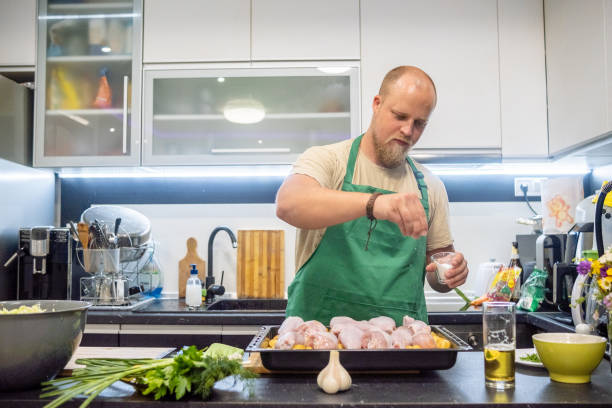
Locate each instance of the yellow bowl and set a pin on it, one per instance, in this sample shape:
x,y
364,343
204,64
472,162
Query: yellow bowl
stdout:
x,y
569,357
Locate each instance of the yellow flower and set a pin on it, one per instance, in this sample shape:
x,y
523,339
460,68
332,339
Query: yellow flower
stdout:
x,y
605,283
595,267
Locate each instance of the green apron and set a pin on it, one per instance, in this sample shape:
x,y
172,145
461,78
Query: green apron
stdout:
x,y
342,279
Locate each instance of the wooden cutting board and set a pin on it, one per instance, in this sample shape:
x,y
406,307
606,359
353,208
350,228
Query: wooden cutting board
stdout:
x,y
114,352
261,264
184,266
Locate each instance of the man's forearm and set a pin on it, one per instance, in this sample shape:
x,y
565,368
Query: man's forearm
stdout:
x,y
303,203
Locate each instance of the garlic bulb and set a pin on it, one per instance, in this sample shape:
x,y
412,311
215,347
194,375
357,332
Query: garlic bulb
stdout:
x,y
334,377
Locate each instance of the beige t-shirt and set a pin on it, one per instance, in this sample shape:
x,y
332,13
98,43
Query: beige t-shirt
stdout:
x,y
327,165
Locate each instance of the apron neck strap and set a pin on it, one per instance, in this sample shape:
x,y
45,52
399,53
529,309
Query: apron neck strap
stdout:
x,y
350,165
420,179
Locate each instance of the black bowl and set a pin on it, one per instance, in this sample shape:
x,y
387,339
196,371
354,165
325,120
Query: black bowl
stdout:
x,y
34,347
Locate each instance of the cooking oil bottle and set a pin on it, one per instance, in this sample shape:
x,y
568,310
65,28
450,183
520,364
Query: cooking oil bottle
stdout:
x,y
515,264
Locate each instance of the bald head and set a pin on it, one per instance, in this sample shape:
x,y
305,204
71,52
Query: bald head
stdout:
x,y
406,75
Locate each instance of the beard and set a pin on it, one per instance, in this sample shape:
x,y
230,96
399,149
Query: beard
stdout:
x,y
390,155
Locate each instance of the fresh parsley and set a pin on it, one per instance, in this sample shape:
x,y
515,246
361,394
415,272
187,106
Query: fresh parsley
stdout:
x,y
192,371
531,357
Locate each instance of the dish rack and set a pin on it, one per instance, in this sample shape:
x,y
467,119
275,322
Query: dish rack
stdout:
x,y
120,276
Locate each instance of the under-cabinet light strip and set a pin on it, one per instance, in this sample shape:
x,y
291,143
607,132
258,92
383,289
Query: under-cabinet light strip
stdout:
x,y
284,170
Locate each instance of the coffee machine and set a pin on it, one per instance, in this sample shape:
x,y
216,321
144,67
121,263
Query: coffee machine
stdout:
x,y
44,263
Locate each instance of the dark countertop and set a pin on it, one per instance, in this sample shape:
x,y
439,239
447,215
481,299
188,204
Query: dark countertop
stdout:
x,y
461,385
175,312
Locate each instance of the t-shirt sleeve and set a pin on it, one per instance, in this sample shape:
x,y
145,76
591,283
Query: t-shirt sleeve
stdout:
x,y
319,163
439,234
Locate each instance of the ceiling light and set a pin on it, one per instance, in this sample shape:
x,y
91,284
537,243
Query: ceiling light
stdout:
x,y
105,49
244,111
220,79
334,70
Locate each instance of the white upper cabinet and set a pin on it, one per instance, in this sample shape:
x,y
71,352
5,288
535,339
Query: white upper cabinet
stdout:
x,y
578,71
305,30
197,30
456,43
522,76
18,32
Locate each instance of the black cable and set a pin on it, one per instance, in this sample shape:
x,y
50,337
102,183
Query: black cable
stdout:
x,y
524,189
598,213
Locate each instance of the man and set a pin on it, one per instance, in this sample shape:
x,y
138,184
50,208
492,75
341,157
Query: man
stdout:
x,y
368,217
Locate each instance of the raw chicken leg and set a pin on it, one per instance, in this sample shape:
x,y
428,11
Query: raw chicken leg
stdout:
x,y
384,323
290,324
351,337
340,319
287,340
376,339
425,340
418,326
401,337
407,320
311,325
320,340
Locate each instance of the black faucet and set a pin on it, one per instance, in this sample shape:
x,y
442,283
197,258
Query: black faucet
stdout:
x,y
210,279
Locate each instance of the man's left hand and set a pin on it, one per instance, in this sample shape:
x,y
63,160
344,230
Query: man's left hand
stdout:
x,y
457,275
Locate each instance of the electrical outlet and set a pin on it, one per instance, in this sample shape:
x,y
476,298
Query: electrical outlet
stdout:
x,y
534,186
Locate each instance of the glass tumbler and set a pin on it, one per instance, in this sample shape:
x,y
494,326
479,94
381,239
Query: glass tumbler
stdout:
x,y
443,261
499,340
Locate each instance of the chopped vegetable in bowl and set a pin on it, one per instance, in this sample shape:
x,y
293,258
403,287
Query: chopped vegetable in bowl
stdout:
x,y
23,310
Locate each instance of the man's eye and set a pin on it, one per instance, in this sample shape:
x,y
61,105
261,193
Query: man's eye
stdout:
x,y
399,117
420,124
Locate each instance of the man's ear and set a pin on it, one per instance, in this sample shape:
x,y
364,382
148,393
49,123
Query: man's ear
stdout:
x,y
376,103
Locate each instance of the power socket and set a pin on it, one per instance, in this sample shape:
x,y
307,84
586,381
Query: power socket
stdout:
x,y
534,186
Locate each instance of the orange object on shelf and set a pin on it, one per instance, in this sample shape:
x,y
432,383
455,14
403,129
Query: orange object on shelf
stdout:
x,y
104,98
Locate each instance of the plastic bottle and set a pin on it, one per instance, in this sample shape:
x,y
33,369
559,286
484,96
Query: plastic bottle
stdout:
x,y
70,98
193,290
104,98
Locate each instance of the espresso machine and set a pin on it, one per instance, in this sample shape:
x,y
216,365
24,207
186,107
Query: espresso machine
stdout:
x,y
44,263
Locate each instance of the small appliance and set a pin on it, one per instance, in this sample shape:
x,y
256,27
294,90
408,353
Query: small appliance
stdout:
x,y
44,263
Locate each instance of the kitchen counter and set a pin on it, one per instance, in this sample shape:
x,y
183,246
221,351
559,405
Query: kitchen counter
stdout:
x,y
175,312
461,385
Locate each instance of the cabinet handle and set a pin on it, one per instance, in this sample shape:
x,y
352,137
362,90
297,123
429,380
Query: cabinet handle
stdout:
x,y
125,111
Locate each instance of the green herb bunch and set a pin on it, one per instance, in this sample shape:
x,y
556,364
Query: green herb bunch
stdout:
x,y
532,357
192,371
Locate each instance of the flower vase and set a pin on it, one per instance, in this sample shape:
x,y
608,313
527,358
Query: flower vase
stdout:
x,y
610,336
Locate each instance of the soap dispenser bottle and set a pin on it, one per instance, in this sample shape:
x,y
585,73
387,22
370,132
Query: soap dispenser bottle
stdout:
x,y
193,291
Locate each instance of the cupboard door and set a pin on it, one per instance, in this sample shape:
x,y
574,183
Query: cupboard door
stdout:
x,y
245,116
305,30
18,32
197,30
456,43
522,73
88,84
576,53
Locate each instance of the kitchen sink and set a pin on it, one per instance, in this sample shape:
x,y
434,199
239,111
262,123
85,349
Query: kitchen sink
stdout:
x,y
249,304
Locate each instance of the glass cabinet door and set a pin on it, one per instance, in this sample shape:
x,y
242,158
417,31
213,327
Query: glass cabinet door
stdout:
x,y
245,115
87,83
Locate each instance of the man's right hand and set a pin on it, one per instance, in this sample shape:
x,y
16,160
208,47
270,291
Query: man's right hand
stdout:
x,y
405,210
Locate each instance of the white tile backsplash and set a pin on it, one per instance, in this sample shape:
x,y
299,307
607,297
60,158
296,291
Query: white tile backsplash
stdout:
x,y
482,231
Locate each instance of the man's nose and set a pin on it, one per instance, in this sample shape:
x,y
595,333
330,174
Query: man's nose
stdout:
x,y
407,128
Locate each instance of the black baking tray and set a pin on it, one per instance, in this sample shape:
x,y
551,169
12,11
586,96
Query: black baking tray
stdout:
x,y
359,360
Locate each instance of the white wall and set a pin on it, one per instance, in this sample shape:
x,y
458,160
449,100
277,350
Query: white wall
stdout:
x,y
481,230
